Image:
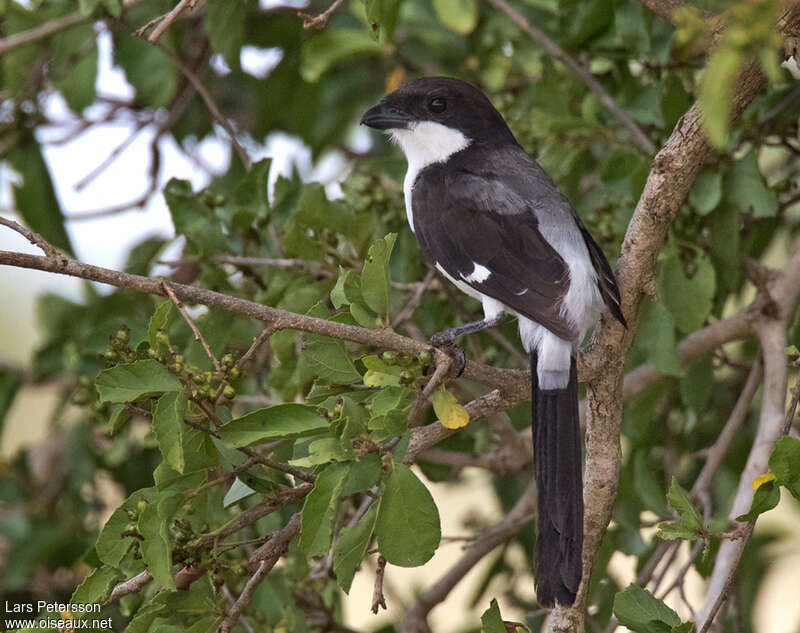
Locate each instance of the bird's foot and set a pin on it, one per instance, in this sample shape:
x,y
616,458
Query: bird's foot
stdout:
x,y
455,353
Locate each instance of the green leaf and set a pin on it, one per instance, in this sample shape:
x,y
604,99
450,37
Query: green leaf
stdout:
x,y
642,612
130,381
375,276
706,191
238,491
379,374
698,383
723,235
492,620
224,23
351,547
784,462
169,427
10,382
282,420
160,320
319,510
140,257
365,473
680,502
645,484
147,69
347,289
73,66
327,357
322,451
111,546
35,199
331,47
155,547
390,399
657,337
407,528
672,530
97,586
689,299
766,497
460,16
193,219
383,14
716,92
746,190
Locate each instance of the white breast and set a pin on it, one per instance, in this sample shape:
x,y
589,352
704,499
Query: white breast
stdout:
x,y
425,143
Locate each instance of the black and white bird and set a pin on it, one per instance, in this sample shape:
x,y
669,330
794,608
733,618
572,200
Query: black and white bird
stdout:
x,y
492,221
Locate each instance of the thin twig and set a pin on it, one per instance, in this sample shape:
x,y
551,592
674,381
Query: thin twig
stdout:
x,y
378,599
165,21
49,28
132,585
112,156
318,21
555,51
223,478
208,100
413,303
32,236
720,447
443,365
272,551
197,335
255,346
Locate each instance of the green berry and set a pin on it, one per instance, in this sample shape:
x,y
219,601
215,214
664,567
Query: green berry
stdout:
x,y
425,357
229,392
234,373
389,357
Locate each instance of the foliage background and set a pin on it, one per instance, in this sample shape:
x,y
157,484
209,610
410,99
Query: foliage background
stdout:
x,y
190,85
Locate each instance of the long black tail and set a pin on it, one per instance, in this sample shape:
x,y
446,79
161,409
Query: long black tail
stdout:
x,y
557,460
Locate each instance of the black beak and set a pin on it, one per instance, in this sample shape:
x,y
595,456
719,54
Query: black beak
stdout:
x,y
385,117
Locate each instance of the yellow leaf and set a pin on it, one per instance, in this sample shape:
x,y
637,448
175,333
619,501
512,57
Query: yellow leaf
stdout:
x,y
451,414
762,479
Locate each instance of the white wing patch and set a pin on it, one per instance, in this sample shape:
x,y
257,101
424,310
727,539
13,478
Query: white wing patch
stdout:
x,y
478,275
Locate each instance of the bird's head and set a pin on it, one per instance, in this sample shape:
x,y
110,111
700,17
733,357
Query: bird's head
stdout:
x,y
436,116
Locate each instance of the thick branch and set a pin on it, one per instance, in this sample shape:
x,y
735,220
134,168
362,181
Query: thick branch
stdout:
x,y
512,381
673,171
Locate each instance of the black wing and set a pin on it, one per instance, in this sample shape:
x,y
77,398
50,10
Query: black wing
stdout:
x,y
605,276
462,219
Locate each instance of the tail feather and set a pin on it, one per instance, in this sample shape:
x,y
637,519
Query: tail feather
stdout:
x,y
557,462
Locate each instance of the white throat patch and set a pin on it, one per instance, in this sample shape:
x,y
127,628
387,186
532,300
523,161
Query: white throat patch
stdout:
x,y
425,143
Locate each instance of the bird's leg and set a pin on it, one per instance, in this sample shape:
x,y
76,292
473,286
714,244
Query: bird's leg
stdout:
x,y
444,340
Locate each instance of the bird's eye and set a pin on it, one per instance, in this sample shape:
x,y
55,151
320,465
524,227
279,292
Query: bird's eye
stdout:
x,y
437,105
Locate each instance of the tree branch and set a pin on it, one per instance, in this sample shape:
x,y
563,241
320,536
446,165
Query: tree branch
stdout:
x,y
46,29
771,332
276,547
514,382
